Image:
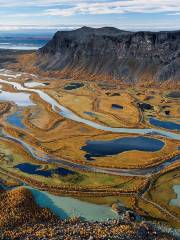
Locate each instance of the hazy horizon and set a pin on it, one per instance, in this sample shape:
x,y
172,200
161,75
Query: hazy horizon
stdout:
x,y
49,30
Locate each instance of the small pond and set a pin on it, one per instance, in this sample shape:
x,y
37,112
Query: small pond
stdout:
x,y
16,119
145,106
73,86
63,171
105,148
36,169
116,107
176,202
164,124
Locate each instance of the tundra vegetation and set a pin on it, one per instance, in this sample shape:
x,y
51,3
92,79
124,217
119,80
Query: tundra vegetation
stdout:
x,y
55,146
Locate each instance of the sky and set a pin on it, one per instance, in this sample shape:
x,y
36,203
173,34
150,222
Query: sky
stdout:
x,y
123,14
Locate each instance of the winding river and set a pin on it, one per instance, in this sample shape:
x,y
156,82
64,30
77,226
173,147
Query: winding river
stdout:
x,y
65,112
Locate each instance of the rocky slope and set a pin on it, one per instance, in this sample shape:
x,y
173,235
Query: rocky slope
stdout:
x,y
109,53
21,218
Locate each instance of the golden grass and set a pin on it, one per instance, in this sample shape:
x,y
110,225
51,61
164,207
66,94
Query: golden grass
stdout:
x,y
162,190
71,150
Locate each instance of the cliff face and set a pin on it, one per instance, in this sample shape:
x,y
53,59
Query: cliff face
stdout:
x,y
128,56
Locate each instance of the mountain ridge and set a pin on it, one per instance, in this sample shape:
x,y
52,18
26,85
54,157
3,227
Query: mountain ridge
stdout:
x,y
110,53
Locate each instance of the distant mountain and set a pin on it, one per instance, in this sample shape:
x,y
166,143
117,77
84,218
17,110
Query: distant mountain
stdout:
x,y
113,54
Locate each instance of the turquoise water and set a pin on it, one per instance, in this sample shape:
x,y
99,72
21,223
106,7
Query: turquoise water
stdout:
x,y
16,119
65,207
164,124
176,202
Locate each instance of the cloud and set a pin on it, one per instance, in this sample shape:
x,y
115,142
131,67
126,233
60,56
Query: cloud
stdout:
x,y
174,14
115,7
35,27
73,7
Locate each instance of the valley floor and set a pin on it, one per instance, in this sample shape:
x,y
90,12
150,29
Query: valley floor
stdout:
x,y
100,142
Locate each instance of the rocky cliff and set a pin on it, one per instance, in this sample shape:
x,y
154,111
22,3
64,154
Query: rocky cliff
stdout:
x,y
109,52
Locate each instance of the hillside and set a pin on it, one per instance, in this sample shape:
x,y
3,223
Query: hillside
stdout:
x,y
109,53
21,218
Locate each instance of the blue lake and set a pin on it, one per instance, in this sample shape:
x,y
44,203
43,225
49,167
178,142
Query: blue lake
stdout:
x,y
16,119
112,147
164,124
35,169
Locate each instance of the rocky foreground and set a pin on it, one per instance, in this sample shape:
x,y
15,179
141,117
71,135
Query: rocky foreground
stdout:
x,y
21,218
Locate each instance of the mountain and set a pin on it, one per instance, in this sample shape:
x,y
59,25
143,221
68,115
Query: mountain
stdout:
x,y
110,53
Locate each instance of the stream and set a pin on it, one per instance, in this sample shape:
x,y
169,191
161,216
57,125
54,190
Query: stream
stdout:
x,y
65,112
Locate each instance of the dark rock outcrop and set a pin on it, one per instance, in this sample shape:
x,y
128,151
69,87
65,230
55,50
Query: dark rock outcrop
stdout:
x,y
128,56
